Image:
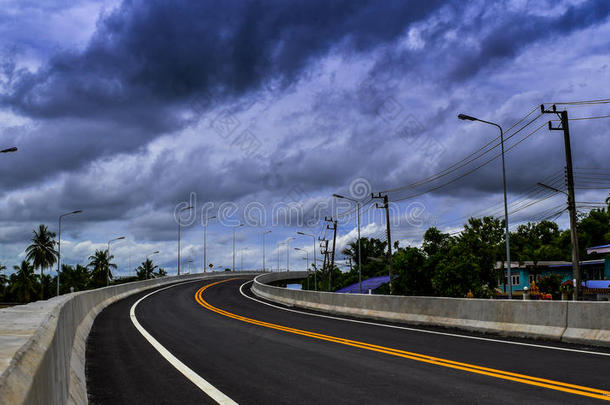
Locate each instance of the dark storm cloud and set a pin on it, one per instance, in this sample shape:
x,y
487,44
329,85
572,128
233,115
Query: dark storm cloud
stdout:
x,y
98,109
149,58
515,32
148,51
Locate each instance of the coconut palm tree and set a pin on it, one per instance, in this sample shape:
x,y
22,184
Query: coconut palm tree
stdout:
x,y
146,270
100,266
74,277
42,251
23,281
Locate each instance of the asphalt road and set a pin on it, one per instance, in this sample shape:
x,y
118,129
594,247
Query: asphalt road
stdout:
x,y
298,359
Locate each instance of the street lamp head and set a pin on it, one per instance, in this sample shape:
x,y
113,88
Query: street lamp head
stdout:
x,y
298,249
338,196
465,117
212,217
155,252
120,238
187,208
77,211
13,149
550,188
266,232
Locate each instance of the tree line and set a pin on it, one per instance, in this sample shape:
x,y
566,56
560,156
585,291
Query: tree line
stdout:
x,y
464,264
26,284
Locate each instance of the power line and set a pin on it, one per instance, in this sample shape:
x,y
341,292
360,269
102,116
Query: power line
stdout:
x,y
472,170
467,159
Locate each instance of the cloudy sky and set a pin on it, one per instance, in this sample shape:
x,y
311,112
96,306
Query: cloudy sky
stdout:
x,y
258,111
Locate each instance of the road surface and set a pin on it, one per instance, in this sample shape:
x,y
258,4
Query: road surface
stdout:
x,y
213,343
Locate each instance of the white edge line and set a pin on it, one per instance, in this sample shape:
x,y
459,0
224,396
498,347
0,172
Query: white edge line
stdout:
x,y
421,330
196,379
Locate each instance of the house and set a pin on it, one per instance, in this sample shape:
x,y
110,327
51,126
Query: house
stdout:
x,y
522,274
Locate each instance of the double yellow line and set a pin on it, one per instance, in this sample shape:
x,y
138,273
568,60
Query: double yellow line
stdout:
x,y
505,375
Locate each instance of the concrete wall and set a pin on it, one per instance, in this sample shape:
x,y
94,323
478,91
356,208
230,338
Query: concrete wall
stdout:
x,y
582,322
42,344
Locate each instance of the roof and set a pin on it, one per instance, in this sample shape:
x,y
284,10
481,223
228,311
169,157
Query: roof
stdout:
x,y
548,263
530,263
597,284
582,263
368,284
598,249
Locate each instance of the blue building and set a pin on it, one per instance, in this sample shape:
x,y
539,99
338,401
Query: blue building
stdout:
x,y
522,274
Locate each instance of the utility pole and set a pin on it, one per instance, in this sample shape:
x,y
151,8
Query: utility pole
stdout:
x,y
324,247
332,227
386,206
565,127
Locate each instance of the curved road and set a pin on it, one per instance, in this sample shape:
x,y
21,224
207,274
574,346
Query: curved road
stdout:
x,y
254,353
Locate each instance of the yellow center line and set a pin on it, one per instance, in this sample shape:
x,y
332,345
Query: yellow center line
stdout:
x,y
505,375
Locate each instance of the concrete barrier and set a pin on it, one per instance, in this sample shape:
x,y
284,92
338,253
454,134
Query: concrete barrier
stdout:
x,y
582,322
42,344
588,323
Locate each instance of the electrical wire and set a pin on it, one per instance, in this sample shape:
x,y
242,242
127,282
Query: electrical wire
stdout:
x,y
472,170
467,159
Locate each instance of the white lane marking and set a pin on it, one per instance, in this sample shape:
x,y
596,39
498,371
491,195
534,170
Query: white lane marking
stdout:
x,y
196,379
421,330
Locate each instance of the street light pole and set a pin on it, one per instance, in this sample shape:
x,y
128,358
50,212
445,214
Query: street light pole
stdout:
x,y
278,254
108,253
179,225
147,256
264,233
241,256
359,244
234,228
288,253
59,242
205,237
306,263
315,270
507,237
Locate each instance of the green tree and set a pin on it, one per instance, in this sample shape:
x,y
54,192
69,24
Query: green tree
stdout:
x,y
23,281
593,230
146,270
374,261
457,274
100,265
536,242
466,262
161,273
76,277
483,239
414,275
42,251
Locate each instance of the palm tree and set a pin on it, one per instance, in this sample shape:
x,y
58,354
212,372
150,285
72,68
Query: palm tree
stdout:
x,y
42,251
74,277
23,281
100,266
146,269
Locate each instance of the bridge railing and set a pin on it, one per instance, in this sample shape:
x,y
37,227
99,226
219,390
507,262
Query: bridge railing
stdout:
x,y
42,344
568,321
